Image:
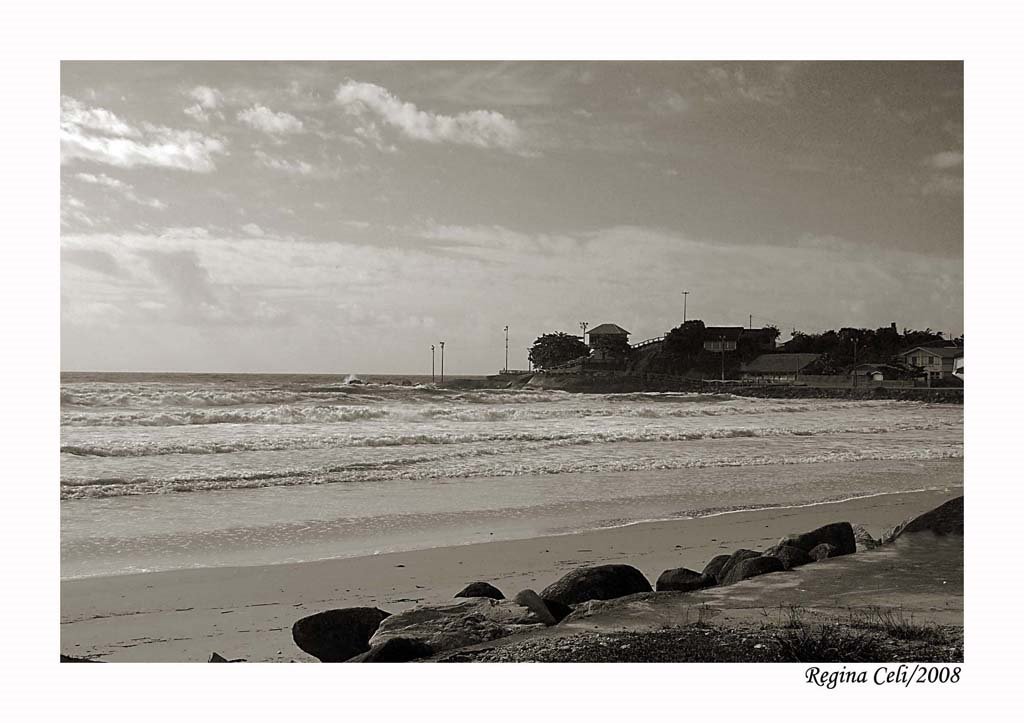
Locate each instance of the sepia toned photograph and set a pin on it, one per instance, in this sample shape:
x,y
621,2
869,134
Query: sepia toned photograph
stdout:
x,y
512,361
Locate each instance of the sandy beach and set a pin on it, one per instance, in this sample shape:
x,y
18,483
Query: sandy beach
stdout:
x,y
247,612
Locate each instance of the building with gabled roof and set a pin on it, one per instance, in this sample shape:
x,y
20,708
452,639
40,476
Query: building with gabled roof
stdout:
x,y
778,367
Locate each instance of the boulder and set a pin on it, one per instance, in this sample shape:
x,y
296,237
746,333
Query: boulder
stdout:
x,y
864,539
481,589
334,636
456,624
946,519
394,650
681,579
715,565
789,556
560,611
734,559
216,657
752,567
600,582
532,601
823,551
837,534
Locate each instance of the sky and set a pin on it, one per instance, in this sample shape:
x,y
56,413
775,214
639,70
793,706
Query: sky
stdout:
x,y
342,217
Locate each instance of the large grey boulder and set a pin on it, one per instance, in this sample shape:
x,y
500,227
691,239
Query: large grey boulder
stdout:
x,y
864,539
680,579
532,601
334,636
838,534
946,519
752,567
734,559
789,556
600,582
394,650
481,589
715,565
823,552
456,624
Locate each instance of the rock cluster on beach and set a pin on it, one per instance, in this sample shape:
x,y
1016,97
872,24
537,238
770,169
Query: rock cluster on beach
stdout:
x,y
481,613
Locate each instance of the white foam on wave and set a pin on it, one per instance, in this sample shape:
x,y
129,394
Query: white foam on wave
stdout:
x,y
117,487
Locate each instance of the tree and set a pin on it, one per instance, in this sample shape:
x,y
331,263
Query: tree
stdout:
x,y
553,349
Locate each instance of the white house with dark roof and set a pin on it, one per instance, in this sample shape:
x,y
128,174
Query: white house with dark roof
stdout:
x,y
937,362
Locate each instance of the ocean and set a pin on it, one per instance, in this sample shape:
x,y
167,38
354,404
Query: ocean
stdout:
x,y
169,471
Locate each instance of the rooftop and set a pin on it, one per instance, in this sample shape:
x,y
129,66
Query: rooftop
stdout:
x,y
608,329
780,363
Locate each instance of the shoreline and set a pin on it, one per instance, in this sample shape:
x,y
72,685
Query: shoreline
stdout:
x,y
592,530
247,612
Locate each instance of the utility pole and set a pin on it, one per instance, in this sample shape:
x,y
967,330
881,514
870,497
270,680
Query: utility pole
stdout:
x,y
750,321
506,348
528,359
685,294
442,361
855,361
431,363
584,325
721,341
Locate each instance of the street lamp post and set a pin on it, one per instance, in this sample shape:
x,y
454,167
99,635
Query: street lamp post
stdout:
x,y
854,362
722,342
431,363
506,348
583,326
442,361
685,294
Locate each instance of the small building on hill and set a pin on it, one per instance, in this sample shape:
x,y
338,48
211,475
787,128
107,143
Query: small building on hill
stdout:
x,y
778,367
937,362
608,342
722,338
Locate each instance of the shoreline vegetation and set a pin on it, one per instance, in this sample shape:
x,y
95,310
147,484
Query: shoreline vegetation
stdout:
x,y
747,586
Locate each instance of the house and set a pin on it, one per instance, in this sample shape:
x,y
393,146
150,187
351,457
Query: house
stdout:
x,y
778,367
958,367
605,338
937,362
722,338
875,372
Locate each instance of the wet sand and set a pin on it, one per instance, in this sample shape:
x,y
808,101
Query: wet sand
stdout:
x,y
247,612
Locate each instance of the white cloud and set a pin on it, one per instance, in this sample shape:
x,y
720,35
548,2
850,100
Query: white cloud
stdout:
x,y
207,97
293,168
252,229
946,159
126,189
263,119
481,128
96,134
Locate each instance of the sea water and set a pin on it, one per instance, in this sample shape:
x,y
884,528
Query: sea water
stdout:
x,y
165,471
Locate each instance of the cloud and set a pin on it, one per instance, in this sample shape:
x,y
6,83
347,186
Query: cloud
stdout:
x,y
93,260
263,119
945,160
96,134
126,189
480,128
252,229
207,97
293,168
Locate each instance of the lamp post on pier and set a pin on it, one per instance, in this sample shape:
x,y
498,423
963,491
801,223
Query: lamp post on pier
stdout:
x,y
442,361
506,348
431,363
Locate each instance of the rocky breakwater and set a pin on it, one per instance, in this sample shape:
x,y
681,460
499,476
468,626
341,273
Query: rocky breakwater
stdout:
x,y
480,613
